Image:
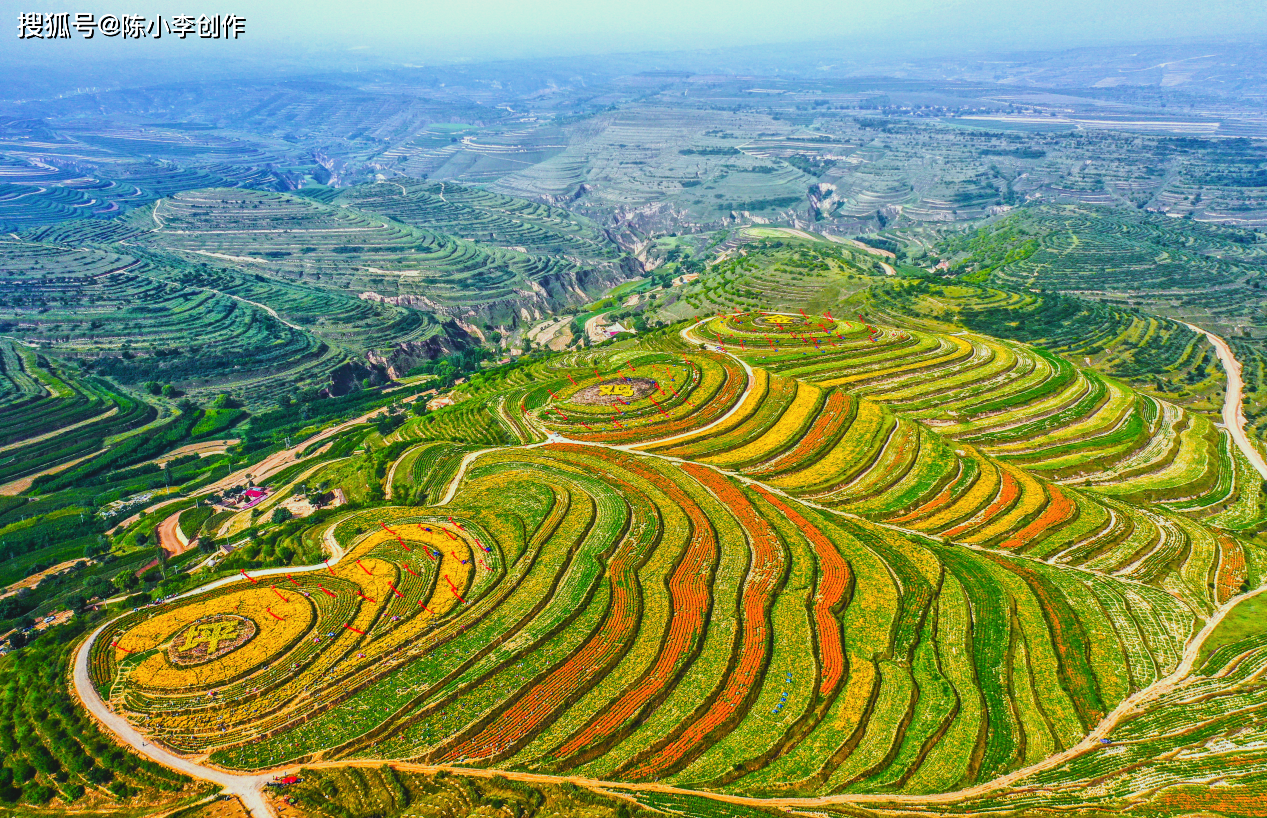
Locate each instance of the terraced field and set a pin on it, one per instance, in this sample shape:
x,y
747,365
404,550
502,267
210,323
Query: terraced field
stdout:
x,y
479,215
780,269
541,259
261,294
137,320
50,417
1135,275
775,556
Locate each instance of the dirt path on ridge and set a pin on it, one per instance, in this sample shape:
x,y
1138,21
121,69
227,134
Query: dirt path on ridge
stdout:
x,y
1233,408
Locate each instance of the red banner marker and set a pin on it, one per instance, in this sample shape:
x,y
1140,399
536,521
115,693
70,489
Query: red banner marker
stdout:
x,y
275,616
573,380
354,630
425,608
327,564
292,579
248,576
410,570
394,591
326,590
120,647
362,595
363,568
279,594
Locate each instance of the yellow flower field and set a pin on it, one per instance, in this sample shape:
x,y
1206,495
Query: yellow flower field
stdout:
x,y
273,637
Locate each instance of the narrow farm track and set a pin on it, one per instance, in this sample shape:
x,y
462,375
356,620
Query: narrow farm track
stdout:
x,y
170,537
272,312
1233,408
16,487
769,567
250,788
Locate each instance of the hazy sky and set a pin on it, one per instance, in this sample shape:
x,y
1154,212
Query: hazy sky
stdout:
x,y
430,31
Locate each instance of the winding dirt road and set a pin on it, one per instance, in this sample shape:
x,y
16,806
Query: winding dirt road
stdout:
x,y
249,788
1233,409
171,537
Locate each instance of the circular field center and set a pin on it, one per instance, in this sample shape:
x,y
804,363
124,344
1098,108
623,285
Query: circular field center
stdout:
x,y
615,390
779,322
210,638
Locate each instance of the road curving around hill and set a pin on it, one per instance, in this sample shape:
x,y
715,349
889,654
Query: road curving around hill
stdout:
x,y
1233,406
249,788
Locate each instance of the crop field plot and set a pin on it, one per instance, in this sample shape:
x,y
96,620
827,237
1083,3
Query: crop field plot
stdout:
x,y
768,556
489,640
50,416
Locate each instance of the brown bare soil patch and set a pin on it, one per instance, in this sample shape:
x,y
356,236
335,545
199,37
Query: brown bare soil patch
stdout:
x,y
210,638
615,390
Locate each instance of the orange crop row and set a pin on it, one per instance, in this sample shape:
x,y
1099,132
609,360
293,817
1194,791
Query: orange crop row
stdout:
x,y
929,508
832,594
1009,490
831,419
549,695
1060,508
741,686
1231,574
689,594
